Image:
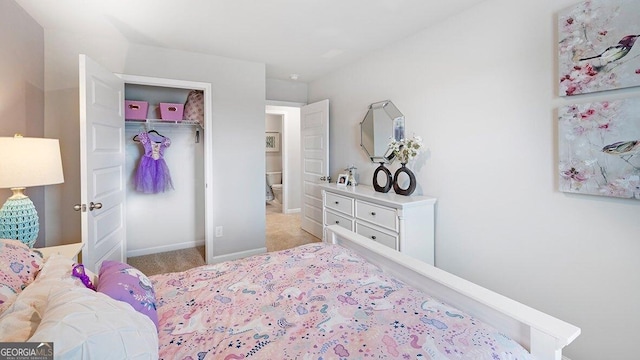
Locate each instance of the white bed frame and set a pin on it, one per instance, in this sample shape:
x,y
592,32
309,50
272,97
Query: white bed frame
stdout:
x,y
543,335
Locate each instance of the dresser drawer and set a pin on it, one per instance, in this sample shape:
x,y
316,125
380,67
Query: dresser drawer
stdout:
x,y
376,214
331,218
377,235
339,203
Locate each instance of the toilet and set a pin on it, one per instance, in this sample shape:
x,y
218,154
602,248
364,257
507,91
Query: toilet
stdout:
x,y
274,179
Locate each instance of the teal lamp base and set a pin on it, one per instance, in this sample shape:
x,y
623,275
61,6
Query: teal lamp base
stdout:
x,y
19,219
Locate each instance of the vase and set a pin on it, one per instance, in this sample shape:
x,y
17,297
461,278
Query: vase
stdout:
x,y
388,178
412,181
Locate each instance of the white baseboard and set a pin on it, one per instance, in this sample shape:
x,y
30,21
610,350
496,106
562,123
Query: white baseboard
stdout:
x,y
565,358
165,248
238,255
190,244
293,211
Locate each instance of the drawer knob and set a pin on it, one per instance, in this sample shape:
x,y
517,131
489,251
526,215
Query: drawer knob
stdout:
x,y
373,213
337,202
373,237
337,221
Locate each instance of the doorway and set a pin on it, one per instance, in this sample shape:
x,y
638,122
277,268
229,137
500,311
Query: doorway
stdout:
x,y
286,120
283,228
275,176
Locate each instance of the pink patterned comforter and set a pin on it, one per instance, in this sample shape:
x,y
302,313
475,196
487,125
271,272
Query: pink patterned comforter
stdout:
x,y
315,301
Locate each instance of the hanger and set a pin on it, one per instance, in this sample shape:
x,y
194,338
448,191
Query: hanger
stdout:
x,y
153,131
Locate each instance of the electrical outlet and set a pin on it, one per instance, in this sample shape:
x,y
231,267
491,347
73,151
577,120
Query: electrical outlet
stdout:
x,y
218,231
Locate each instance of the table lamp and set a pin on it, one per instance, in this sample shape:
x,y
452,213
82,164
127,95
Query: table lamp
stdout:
x,y
26,162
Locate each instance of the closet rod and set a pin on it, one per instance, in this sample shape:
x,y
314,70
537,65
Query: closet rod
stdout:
x,y
165,122
149,124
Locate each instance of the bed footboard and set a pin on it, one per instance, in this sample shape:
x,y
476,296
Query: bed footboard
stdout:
x,y
542,334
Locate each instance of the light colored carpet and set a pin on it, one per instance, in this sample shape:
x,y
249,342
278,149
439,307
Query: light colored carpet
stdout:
x,y
282,232
170,261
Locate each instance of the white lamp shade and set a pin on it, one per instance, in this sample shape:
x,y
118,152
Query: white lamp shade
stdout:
x,y
26,162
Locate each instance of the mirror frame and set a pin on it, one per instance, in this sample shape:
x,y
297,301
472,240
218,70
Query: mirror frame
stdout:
x,y
380,113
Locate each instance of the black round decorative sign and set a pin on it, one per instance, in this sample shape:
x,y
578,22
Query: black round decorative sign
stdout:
x,y
412,181
388,177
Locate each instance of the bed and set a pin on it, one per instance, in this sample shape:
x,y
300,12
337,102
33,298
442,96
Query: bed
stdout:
x,y
345,299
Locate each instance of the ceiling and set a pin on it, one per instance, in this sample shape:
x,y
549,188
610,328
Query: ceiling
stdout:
x,y
305,37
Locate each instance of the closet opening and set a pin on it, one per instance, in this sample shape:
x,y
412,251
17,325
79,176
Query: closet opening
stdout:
x,y
166,223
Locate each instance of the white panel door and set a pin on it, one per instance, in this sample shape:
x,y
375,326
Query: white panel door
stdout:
x,y
102,162
314,141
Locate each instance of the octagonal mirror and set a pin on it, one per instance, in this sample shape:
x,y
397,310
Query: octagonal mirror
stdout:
x,y
382,123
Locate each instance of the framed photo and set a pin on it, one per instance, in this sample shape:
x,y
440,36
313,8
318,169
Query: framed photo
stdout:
x,y
272,141
342,179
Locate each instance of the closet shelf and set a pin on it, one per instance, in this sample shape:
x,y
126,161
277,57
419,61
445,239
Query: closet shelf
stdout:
x,y
164,122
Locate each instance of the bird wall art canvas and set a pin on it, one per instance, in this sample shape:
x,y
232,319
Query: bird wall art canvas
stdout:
x,y
599,46
599,148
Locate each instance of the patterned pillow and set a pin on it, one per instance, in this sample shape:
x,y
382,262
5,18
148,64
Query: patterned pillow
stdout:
x,y
19,266
125,283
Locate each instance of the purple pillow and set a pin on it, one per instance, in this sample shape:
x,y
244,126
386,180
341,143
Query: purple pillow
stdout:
x,y
125,283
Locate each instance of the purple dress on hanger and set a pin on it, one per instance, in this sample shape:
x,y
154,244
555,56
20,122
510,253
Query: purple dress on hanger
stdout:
x,y
153,173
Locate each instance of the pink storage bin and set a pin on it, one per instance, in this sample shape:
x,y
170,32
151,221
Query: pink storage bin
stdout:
x,y
135,110
170,111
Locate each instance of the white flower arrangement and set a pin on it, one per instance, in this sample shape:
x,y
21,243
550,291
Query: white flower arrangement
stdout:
x,y
406,149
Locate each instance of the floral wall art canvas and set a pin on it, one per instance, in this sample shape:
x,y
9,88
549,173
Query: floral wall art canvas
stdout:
x,y
599,148
599,46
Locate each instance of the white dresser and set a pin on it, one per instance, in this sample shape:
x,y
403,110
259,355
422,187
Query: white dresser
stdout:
x,y
404,223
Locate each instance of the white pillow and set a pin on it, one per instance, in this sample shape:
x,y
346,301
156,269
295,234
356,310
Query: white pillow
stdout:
x,y
84,324
20,320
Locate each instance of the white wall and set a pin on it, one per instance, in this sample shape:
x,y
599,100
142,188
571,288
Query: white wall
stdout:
x,y
238,93
480,88
284,90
